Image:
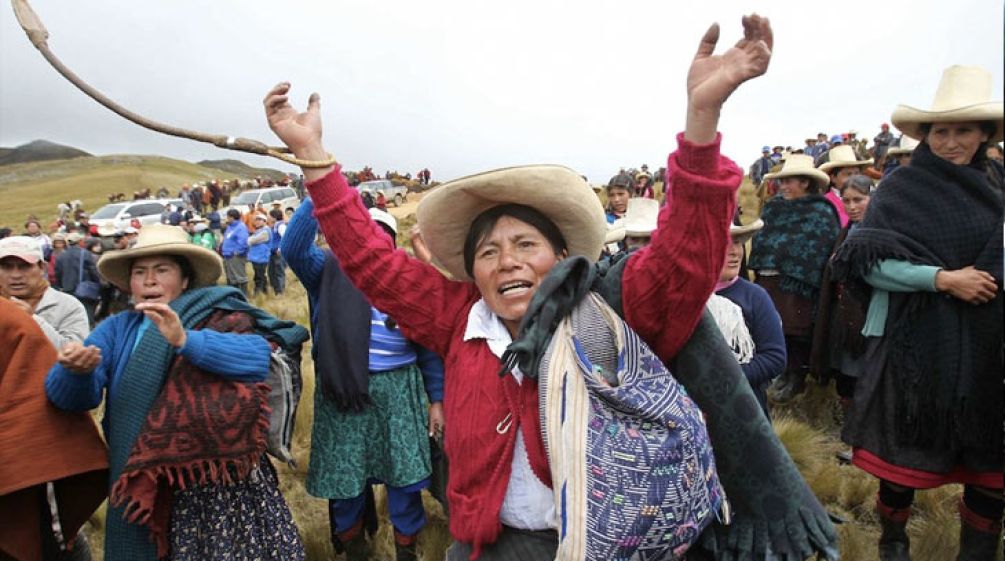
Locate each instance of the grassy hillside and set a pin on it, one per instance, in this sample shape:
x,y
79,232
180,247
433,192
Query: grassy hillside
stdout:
x,y
232,168
36,188
39,150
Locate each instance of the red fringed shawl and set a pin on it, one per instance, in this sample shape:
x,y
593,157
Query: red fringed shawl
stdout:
x,y
202,429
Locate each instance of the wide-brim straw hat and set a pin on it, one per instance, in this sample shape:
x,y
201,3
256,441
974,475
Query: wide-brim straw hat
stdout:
x,y
559,193
157,240
801,165
963,95
841,157
907,145
641,217
740,233
615,231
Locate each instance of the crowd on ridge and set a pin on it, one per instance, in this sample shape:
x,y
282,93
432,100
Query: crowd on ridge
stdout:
x,y
554,369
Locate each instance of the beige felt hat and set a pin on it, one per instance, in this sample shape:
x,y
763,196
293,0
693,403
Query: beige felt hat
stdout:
x,y
841,157
446,213
161,239
964,94
640,217
801,165
907,145
743,233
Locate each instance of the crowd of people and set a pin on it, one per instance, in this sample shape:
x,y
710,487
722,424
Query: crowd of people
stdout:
x,y
571,380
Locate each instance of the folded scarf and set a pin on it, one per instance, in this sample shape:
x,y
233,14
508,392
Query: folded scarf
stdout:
x,y
201,429
342,340
775,514
796,241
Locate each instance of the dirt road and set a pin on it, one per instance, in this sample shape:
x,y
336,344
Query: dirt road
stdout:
x,y
407,208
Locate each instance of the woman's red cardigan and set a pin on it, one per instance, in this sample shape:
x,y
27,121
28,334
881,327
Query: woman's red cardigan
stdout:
x,y
664,290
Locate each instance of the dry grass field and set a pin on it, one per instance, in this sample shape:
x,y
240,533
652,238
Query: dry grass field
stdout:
x,y
808,427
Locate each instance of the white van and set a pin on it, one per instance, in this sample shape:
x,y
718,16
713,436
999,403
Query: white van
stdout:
x,y
120,215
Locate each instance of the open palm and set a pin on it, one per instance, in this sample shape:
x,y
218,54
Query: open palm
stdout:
x,y
712,78
297,130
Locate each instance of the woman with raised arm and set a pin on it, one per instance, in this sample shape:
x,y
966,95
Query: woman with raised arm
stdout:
x,y
529,478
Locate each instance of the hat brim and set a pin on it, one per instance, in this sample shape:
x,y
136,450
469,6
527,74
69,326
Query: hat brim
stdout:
x,y
743,233
207,266
820,178
826,167
446,213
909,119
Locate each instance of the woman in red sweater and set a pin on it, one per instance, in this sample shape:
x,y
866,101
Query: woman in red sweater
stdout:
x,y
505,230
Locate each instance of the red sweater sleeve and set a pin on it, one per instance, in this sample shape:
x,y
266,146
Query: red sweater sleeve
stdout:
x,y
423,302
666,284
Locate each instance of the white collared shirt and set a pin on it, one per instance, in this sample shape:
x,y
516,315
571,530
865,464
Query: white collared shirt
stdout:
x,y
528,504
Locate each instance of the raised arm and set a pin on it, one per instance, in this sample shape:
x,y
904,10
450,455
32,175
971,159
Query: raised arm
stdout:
x,y
665,285
298,248
424,303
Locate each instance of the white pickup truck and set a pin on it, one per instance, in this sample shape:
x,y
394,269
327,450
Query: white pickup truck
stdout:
x,y
394,194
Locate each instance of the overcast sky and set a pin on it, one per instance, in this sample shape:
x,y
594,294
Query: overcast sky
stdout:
x,y
463,86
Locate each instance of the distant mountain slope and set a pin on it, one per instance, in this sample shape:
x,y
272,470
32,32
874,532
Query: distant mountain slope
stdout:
x,y
241,169
37,187
39,151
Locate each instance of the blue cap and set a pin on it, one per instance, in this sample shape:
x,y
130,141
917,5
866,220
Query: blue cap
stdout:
x,y
836,138
766,149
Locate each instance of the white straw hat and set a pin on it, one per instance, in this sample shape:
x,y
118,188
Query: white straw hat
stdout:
x,y
640,217
907,145
742,233
559,193
841,157
964,95
161,239
801,165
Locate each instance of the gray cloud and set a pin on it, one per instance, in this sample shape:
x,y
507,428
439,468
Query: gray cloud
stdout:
x,y
464,86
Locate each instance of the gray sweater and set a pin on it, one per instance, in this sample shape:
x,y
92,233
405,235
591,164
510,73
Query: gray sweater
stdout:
x,y
61,317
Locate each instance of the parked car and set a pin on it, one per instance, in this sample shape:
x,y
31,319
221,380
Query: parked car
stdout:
x,y
394,194
120,215
284,196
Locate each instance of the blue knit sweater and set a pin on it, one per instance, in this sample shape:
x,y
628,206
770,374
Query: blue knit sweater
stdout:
x,y
389,349
230,355
765,326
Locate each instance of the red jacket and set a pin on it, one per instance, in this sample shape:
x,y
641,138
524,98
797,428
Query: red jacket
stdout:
x,y
664,290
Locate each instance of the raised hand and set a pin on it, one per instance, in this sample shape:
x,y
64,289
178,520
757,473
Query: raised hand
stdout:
x,y
301,132
712,78
167,322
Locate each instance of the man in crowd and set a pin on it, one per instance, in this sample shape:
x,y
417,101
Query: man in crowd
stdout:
x,y
762,166
75,266
234,250
259,247
883,141
277,265
23,280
